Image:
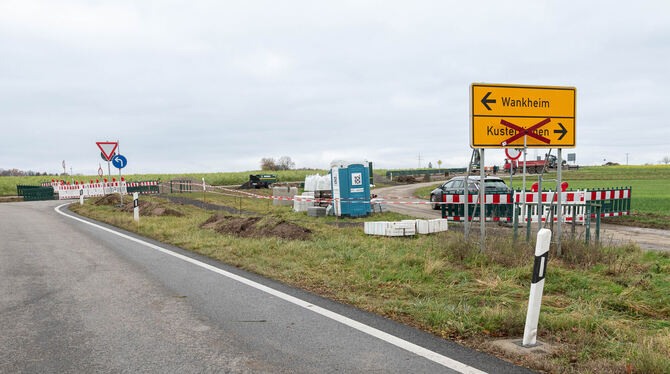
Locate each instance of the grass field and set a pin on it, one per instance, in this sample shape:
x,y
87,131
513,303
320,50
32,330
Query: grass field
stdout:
x,y
8,184
605,309
650,204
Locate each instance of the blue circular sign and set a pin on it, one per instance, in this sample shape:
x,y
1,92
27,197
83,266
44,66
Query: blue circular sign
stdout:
x,y
119,161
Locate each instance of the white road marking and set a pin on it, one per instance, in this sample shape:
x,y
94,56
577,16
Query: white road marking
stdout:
x,y
398,342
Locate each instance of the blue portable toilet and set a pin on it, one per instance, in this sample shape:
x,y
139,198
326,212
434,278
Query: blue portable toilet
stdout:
x,y
350,182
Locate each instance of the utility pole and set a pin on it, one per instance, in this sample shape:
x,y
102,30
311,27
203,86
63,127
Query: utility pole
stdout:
x,y
419,158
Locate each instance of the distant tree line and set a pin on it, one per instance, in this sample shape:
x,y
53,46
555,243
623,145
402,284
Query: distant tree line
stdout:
x,y
283,163
21,173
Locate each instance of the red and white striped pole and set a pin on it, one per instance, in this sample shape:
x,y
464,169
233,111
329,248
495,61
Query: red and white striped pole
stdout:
x,y
536,287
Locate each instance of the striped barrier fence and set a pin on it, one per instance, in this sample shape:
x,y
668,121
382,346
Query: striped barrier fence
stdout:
x,y
73,191
144,187
498,207
575,205
613,202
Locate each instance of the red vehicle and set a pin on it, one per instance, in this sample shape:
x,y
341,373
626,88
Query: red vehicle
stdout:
x,y
532,166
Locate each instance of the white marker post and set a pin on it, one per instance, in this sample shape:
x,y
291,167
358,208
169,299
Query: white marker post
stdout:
x,y
536,287
136,207
81,195
204,197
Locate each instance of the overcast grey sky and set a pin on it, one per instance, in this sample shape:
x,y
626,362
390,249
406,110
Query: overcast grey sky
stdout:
x,y
214,86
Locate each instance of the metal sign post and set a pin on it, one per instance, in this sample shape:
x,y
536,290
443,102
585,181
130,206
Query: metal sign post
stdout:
x,y
524,207
482,200
559,192
119,153
120,162
109,175
466,224
539,203
512,160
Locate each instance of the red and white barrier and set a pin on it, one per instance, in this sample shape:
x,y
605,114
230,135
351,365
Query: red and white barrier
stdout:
x,y
570,201
138,184
147,183
72,191
573,204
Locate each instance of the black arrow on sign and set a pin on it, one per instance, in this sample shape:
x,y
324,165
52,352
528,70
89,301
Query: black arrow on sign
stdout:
x,y
562,131
486,101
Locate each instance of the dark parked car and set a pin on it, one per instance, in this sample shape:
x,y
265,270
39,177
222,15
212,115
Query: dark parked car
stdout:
x,y
455,186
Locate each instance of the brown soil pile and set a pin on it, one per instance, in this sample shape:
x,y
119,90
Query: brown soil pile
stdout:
x,y
148,208
406,179
111,199
256,227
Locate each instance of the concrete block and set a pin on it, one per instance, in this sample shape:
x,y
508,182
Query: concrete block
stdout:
x,y
316,211
284,192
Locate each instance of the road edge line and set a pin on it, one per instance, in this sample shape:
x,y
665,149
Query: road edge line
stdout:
x,y
391,339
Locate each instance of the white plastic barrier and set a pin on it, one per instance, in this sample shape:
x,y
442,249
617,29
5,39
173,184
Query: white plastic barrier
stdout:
x,y
406,227
68,191
303,202
323,183
71,191
317,182
97,189
390,228
573,204
432,225
310,182
378,205
283,196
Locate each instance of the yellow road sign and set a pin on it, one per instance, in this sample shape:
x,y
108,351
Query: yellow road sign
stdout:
x,y
501,115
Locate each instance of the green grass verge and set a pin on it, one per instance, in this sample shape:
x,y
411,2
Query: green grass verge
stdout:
x,y
424,192
604,308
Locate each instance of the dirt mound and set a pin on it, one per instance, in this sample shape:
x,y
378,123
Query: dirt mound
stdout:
x,y
148,208
111,199
256,227
406,179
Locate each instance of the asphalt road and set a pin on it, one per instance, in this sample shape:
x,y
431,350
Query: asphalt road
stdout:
x,y
76,297
405,192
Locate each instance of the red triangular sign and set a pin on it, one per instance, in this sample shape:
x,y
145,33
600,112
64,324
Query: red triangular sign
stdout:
x,y
107,148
